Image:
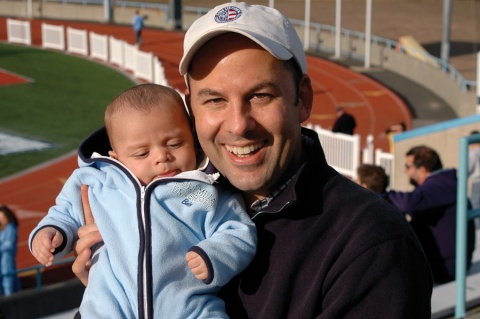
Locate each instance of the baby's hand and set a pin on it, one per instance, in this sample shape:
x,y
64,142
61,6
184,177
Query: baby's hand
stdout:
x,y
197,265
44,244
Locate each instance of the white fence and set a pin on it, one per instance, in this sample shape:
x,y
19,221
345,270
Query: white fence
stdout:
x,y
54,36
143,65
386,160
342,150
19,32
99,46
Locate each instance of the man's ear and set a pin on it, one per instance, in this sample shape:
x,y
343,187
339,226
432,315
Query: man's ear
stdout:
x,y
305,101
112,154
188,103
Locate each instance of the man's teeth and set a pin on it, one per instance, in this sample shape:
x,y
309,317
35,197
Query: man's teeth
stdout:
x,y
244,150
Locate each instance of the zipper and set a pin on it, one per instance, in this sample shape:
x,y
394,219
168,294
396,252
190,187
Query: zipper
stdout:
x,y
259,214
144,262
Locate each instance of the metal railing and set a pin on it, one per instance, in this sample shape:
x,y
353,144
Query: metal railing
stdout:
x,y
463,216
38,270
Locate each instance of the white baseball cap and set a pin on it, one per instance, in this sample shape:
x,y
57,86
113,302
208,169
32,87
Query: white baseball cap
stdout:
x,y
266,26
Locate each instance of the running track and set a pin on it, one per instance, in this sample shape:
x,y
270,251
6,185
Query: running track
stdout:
x,y
374,106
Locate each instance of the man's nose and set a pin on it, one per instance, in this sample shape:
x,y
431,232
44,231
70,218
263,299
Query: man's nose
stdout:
x,y
240,120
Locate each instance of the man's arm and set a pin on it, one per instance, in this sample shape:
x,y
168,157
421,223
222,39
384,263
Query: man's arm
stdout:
x,y
88,236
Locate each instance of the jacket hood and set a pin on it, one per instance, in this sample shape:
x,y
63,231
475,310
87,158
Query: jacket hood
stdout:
x,y
97,142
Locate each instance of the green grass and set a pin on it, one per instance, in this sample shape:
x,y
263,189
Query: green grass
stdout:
x,y
63,105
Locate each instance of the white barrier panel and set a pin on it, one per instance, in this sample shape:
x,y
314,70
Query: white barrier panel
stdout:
x,y
367,153
99,46
19,32
341,150
144,65
77,41
159,73
386,160
116,51
53,36
129,55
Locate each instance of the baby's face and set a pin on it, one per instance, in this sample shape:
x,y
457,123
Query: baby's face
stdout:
x,y
153,144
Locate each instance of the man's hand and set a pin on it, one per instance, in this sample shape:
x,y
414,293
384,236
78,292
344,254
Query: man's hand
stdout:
x,y
88,236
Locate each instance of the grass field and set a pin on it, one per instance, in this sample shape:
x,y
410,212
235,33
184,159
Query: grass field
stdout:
x,y
64,103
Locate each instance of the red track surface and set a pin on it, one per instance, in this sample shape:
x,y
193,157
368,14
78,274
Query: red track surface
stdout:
x,y
7,78
374,106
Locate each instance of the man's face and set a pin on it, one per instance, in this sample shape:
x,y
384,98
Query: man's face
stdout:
x,y
243,102
411,171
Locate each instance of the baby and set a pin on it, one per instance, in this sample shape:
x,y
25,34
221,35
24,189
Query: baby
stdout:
x,y
153,206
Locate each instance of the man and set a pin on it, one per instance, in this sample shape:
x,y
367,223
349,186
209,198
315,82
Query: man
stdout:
x,y
138,24
345,122
326,246
432,208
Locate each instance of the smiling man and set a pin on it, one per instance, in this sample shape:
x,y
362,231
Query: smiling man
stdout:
x,y
327,247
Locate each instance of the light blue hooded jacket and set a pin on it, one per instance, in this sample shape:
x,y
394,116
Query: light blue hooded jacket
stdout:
x,y
140,271
9,281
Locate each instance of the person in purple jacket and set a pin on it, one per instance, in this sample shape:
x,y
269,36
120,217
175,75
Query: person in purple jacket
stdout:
x,y
431,206
327,247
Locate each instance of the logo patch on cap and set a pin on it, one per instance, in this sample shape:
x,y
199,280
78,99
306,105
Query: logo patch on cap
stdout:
x,y
228,14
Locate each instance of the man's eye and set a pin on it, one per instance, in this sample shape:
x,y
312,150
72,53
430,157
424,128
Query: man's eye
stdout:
x,y
215,101
261,98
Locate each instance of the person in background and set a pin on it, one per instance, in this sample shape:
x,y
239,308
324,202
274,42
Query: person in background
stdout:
x,y
345,122
138,24
8,251
152,207
374,178
432,207
331,250
391,131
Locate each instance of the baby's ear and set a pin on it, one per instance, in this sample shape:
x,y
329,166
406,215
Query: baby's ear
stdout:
x,y
112,154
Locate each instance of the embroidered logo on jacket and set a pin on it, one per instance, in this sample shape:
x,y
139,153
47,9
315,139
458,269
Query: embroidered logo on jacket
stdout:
x,y
194,193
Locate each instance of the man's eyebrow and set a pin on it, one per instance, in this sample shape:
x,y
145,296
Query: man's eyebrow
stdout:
x,y
207,92
211,92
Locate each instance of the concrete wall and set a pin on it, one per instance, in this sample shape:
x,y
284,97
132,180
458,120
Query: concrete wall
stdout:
x,y
156,18
433,77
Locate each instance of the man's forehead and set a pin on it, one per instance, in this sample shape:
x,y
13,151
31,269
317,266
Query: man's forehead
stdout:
x,y
222,45
220,50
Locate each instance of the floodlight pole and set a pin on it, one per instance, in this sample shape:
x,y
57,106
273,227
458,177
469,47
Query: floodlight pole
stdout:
x,y
107,11
29,9
338,18
447,20
306,33
478,82
368,33
176,13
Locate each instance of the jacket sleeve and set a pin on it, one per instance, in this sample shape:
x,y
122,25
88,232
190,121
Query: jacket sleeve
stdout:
x,y
7,260
402,200
66,215
231,239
